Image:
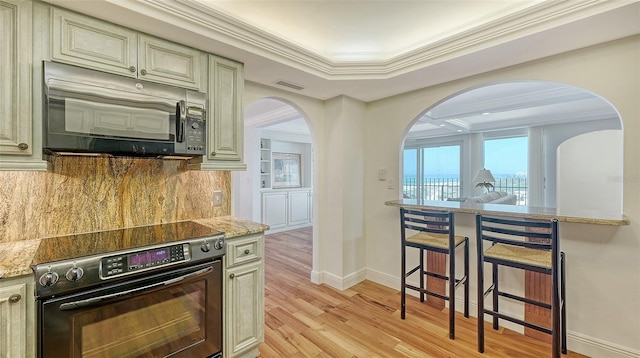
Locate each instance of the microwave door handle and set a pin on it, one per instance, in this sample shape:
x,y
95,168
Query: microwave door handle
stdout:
x,y
181,120
98,300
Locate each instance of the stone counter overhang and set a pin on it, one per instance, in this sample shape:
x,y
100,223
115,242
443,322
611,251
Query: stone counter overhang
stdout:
x,y
16,258
529,212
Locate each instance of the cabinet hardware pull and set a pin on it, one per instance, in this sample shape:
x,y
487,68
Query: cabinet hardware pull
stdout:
x,y
213,154
132,69
23,146
143,72
232,276
15,298
247,252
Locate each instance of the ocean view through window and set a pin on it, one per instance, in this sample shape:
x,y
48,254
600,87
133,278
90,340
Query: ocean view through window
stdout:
x,y
433,173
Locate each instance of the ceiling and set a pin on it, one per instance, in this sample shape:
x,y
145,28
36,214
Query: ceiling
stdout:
x,y
371,49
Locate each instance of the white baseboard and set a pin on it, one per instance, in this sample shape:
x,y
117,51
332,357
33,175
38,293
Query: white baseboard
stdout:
x,y
340,283
594,347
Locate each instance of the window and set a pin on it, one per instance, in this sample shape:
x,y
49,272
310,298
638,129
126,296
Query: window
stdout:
x,y
507,158
432,173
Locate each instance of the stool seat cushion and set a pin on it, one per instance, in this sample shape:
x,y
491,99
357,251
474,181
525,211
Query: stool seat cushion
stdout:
x,y
524,255
433,240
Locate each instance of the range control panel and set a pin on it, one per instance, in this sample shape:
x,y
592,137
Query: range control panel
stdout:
x,y
113,266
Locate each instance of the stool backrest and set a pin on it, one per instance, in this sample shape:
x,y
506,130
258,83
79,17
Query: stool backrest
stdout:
x,y
438,222
534,234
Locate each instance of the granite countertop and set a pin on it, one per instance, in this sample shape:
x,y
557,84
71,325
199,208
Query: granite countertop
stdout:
x,y
16,258
596,218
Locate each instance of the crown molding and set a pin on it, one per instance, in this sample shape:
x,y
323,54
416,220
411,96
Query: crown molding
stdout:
x,y
279,115
201,26
196,16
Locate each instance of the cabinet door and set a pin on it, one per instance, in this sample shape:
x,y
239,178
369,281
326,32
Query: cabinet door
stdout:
x,y
299,202
167,62
13,318
244,307
87,42
274,209
15,78
225,115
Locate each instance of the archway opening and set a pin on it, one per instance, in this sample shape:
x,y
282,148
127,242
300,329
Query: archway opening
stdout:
x,y
277,188
517,130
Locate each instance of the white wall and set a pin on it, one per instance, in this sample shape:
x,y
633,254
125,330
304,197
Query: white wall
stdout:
x,y
589,174
554,137
603,261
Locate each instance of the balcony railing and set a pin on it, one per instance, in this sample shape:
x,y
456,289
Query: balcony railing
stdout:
x,y
443,188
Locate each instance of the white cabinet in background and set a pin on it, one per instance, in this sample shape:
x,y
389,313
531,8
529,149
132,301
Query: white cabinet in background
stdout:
x,y
244,296
299,210
287,209
274,209
88,42
17,317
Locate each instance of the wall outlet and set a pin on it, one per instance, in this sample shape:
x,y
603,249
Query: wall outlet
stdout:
x,y
390,184
217,198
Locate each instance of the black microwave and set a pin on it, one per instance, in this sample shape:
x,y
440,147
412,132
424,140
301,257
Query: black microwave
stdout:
x,y
90,111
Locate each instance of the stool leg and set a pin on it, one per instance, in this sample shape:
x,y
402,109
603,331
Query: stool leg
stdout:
x,y
563,304
494,269
403,279
422,275
452,293
480,271
466,277
555,313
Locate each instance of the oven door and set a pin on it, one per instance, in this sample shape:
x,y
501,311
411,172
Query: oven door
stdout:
x,y
176,313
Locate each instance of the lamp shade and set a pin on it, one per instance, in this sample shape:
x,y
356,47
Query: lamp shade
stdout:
x,y
484,176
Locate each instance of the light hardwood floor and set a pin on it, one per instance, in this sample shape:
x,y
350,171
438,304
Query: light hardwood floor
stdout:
x,y
303,319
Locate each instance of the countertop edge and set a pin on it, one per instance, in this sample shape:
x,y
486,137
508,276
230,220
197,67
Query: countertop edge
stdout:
x,y
503,210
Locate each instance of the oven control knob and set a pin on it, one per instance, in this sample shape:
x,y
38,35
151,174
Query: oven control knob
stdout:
x,y
49,279
74,273
205,247
219,244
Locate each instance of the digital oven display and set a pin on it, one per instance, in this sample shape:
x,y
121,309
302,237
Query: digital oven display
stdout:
x,y
149,257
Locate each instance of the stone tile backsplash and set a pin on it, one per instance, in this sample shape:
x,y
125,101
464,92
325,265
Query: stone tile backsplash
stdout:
x,y
84,194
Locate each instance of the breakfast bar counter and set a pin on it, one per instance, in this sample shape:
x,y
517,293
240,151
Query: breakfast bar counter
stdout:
x,y
529,212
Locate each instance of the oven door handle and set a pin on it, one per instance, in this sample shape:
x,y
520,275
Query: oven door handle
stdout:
x,y
98,300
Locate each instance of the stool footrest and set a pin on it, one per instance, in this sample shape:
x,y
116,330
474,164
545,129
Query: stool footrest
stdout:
x,y
525,300
425,291
518,321
461,281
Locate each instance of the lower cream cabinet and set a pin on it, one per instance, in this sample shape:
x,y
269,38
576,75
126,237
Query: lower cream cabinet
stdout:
x,y
17,317
244,296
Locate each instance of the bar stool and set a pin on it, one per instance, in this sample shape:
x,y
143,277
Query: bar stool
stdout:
x,y
436,234
527,245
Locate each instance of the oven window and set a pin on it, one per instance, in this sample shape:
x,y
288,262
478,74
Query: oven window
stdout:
x,y
155,324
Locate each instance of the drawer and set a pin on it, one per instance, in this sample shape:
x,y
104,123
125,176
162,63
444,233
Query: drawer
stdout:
x,y
244,250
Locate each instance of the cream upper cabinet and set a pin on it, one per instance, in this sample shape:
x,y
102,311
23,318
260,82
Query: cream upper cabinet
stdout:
x,y
16,126
88,42
17,318
225,117
244,296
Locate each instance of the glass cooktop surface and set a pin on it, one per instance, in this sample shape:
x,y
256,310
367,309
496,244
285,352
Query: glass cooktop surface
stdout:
x,y
85,244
